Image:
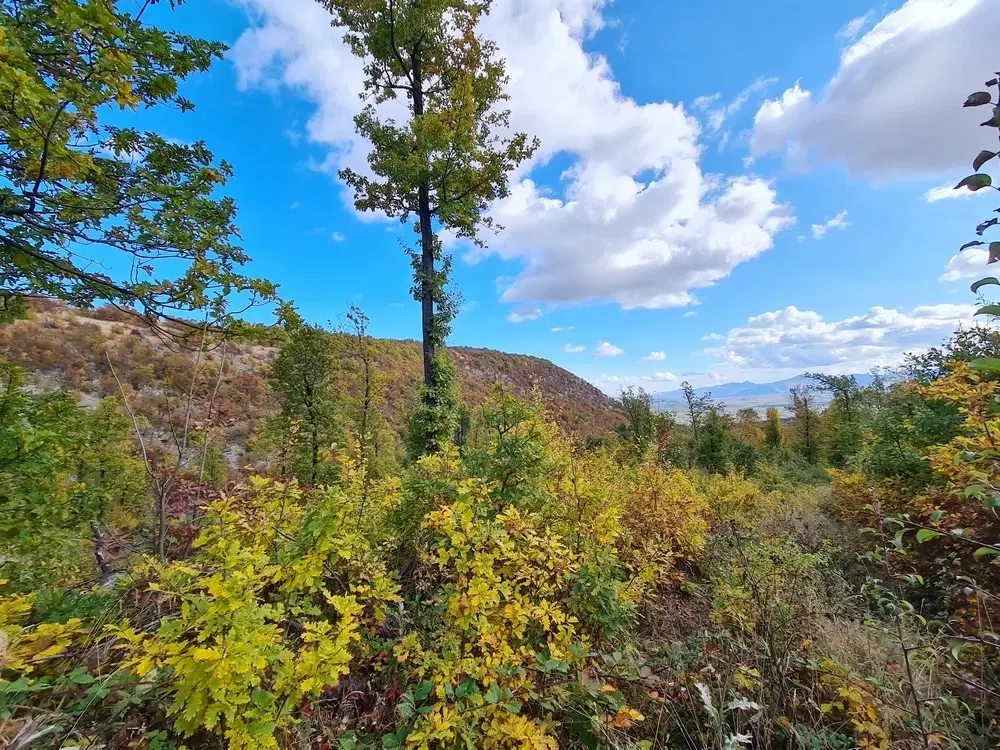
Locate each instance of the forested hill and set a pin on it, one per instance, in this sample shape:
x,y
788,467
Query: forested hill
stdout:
x,y
62,347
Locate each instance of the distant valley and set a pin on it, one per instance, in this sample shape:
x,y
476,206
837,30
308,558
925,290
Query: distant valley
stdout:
x,y
736,396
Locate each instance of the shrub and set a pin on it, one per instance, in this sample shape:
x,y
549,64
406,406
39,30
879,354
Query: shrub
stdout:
x,y
269,613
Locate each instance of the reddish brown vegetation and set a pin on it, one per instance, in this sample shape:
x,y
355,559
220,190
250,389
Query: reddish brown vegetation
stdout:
x,y
66,348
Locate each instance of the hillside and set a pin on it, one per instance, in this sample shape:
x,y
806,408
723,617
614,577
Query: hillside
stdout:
x,y
66,348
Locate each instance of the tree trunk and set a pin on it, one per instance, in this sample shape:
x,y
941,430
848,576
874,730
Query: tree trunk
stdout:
x,y
426,244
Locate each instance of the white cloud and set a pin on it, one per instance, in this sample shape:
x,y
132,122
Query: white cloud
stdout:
x,y
702,103
656,356
966,265
337,237
295,204
570,349
894,106
615,384
634,221
947,191
837,222
689,314
802,340
560,329
717,117
523,313
607,349
712,337
855,26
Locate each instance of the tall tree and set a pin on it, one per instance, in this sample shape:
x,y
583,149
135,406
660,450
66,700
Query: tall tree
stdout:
x,y
712,448
803,406
697,407
303,379
842,421
772,429
643,424
747,428
91,211
449,161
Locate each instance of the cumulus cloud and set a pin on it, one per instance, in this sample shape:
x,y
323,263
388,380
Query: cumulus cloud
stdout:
x,y
523,313
633,221
804,340
570,349
607,349
893,108
656,356
837,222
966,265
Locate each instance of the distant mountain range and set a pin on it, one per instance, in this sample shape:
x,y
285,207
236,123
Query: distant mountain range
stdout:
x,y
758,396
746,389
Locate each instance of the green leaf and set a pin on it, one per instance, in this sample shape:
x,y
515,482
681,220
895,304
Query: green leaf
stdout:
x,y
973,490
988,310
994,121
984,156
988,281
975,182
513,706
985,552
466,688
986,225
978,99
994,252
937,516
396,739
925,535
956,651
493,694
80,677
421,691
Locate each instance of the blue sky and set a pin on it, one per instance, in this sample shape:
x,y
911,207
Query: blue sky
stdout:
x,y
742,188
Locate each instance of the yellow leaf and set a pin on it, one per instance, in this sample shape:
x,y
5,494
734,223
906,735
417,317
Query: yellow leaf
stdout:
x,y
206,654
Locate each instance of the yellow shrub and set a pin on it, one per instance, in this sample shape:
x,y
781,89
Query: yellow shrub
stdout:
x,y
25,647
502,583
851,697
591,496
254,626
735,499
851,493
664,511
